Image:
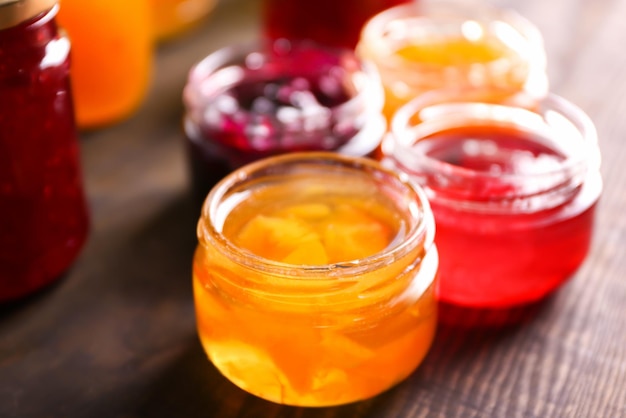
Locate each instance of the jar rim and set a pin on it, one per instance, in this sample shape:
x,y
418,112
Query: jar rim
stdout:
x,y
552,115
421,232
367,85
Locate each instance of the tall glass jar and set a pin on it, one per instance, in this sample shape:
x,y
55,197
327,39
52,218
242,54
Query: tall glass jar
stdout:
x,y
314,278
433,44
246,102
513,192
328,22
112,56
173,17
43,214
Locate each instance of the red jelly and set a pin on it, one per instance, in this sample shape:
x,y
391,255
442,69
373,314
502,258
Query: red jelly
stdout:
x,y
249,102
330,22
43,214
513,192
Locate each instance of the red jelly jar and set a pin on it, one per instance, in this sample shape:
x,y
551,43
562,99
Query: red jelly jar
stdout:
x,y
513,192
43,214
248,102
330,22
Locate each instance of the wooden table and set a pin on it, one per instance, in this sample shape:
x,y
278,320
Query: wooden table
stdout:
x,y
116,337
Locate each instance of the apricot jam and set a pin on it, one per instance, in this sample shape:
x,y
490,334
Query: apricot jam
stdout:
x,y
429,45
314,278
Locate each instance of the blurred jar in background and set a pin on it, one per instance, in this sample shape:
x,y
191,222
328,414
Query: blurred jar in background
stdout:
x,y
249,101
464,45
43,213
335,23
112,52
172,17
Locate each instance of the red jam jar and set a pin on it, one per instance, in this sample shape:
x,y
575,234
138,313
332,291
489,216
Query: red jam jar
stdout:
x,y
247,102
330,22
513,192
43,213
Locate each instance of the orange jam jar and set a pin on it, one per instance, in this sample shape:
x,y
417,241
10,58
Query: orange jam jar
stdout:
x,y
112,58
513,191
429,45
314,278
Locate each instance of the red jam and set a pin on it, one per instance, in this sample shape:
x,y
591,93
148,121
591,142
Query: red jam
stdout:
x,y
330,22
513,197
254,102
43,214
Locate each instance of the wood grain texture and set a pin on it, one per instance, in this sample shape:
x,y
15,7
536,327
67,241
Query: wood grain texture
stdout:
x,y
116,337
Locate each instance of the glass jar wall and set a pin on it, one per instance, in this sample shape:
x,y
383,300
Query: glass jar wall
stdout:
x,y
513,192
434,44
314,278
43,213
246,102
112,57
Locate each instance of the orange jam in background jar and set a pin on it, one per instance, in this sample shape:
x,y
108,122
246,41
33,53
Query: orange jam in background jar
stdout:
x,y
513,192
314,278
173,17
112,52
429,45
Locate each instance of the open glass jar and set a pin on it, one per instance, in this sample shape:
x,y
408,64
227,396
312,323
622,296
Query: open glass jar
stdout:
x,y
246,102
434,44
314,278
513,192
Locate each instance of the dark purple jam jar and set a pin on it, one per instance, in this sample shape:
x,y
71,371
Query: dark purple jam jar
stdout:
x,y
247,102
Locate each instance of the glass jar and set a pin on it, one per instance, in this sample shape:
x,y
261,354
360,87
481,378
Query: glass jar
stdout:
x,y
112,55
172,17
314,278
437,44
246,102
513,191
43,214
329,22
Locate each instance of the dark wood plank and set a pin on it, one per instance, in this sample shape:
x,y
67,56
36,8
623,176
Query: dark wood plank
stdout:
x,y
116,337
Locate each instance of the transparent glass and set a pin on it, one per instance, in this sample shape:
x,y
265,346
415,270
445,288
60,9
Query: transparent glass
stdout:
x,y
513,190
434,44
314,278
246,102
43,213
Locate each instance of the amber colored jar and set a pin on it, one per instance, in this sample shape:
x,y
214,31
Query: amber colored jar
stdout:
x,y
513,191
250,101
43,213
112,57
434,44
314,278
174,17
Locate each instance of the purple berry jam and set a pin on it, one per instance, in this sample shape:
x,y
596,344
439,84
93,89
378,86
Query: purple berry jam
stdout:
x,y
247,103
